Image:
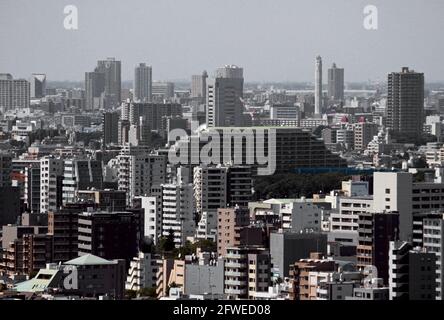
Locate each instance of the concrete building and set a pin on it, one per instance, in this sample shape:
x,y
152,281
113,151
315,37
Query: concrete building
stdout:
x,y
98,276
405,104
51,177
300,272
32,187
246,272
375,232
111,68
363,134
153,113
163,90
106,200
38,85
297,215
109,235
396,191
94,88
139,171
433,243
5,169
345,221
63,227
178,210
199,85
79,174
143,81
14,93
296,150
233,229
142,272
224,98
26,249
412,272
286,248
284,111
110,127
336,83
152,207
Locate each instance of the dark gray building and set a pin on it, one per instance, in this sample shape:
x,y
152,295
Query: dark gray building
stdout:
x,y
110,127
336,83
405,104
286,248
412,272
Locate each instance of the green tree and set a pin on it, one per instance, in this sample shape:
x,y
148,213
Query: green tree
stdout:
x,y
130,294
148,292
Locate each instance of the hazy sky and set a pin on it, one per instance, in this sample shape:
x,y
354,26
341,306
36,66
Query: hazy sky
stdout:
x,y
275,40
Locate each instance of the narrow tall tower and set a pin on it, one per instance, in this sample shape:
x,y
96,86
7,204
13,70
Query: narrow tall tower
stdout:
x,y
318,86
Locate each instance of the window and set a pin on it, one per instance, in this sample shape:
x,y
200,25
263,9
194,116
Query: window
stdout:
x,y
387,191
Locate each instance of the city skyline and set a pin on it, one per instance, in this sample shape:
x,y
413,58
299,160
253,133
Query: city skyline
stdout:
x,y
273,47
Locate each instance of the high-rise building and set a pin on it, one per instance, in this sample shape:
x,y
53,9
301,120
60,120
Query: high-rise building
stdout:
x,y
300,275
224,98
318,86
162,90
210,189
246,271
295,148
80,175
14,93
286,248
375,232
63,227
336,83
230,222
110,127
5,169
139,171
199,85
412,272
32,187
38,85
94,88
109,235
433,242
51,177
405,104
143,81
153,113
363,134
111,68
178,211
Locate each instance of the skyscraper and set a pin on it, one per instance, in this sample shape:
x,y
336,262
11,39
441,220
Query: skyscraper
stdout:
x,y
336,83
318,86
94,87
38,85
143,82
13,92
405,104
113,86
224,94
199,85
110,127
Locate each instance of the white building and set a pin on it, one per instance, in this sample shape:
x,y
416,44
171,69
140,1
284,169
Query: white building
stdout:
x,y
152,206
142,272
139,171
143,81
178,209
297,215
433,232
51,174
